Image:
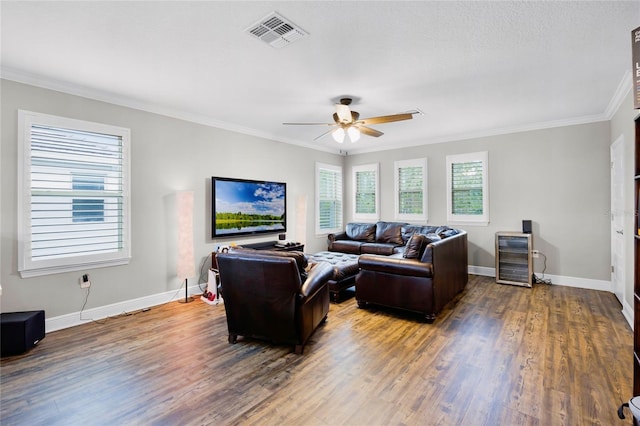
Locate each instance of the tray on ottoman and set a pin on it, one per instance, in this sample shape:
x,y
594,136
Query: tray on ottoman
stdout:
x,y
345,269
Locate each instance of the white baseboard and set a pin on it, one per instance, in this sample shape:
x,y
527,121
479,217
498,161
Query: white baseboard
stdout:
x,y
482,270
586,283
627,312
102,312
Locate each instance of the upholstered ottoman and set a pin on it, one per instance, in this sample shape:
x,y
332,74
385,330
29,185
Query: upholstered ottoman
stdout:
x,y
345,269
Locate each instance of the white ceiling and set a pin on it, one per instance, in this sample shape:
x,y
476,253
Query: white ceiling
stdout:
x,y
473,68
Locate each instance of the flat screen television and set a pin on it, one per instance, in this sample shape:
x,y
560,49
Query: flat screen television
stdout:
x,y
247,207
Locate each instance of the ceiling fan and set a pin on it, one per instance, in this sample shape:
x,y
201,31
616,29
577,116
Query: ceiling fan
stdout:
x,y
348,123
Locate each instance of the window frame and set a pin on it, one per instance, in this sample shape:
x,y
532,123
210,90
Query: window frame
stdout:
x,y
27,266
397,165
375,167
339,198
467,219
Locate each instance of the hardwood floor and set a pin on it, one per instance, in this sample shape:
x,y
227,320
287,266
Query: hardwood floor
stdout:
x,y
498,355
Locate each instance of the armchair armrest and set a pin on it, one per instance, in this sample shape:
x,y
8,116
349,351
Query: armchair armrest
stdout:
x,y
395,265
317,277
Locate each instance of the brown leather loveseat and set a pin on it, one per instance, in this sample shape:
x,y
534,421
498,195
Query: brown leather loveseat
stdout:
x,y
268,295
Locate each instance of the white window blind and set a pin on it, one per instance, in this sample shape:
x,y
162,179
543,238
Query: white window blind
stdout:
x,y
411,189
328,198
74,189
467,188
366,195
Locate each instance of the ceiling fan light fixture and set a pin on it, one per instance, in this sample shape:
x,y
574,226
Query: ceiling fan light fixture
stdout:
x,y
354,134
338,135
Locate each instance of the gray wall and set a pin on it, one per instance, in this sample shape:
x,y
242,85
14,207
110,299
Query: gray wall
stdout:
x,y
167,155
558,178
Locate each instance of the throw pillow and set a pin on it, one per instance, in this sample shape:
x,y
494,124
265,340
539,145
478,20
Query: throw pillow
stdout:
x,y
414,247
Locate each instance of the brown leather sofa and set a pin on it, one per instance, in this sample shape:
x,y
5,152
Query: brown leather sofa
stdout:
x,y
268,295
372,238
428,273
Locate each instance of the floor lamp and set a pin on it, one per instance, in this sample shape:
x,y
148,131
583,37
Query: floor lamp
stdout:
x,y
186,264
301,219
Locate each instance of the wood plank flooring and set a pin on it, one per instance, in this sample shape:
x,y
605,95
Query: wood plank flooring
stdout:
x,y
498,355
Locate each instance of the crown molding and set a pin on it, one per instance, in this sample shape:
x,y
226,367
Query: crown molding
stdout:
x,y
98,95
491,132
73,89
623,89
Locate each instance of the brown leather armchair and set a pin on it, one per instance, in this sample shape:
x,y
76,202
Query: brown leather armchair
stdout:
x,y
265,296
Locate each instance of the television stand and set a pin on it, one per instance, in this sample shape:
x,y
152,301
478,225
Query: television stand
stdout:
x,y
273,245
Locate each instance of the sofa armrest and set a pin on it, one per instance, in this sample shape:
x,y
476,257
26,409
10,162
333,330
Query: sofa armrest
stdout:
x,y
338,236
450,268
449,254
317,277
395,265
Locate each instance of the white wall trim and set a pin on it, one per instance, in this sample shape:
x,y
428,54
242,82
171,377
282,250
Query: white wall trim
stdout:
x,y
627,312
99,95
482,270
586,283
102,312
624,87
85,92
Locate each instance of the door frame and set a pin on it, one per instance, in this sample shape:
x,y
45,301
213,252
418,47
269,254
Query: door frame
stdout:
x,y
617,232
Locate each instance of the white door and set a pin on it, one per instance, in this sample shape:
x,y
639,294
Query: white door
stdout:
x,y
617,218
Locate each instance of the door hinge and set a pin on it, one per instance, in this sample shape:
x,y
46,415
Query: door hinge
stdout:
x,y
612,269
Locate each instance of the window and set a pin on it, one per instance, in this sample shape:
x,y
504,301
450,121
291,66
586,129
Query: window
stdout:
x,y
468,188
328,199
87,210
365,190
411,189
73,189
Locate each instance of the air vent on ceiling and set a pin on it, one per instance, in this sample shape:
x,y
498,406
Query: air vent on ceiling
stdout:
x,y
276,31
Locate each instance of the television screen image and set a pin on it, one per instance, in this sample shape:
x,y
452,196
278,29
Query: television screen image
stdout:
x,y
242,207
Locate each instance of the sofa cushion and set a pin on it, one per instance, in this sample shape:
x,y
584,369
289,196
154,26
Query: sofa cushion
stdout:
x,y
408,230
389,232
377,248
361,231
414,247
445,231
346,246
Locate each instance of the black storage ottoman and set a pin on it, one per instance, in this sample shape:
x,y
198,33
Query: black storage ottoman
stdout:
x,y
20,331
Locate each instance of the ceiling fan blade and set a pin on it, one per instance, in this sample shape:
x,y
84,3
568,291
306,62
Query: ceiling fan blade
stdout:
x,y
344,113
309,124
386,118
369,131
324,134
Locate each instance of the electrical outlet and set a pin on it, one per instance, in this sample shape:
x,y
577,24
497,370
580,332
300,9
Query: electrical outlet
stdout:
x,y
535,253
84,281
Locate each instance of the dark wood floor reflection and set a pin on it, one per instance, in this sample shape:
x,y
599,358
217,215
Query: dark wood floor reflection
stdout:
x,y
498,355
